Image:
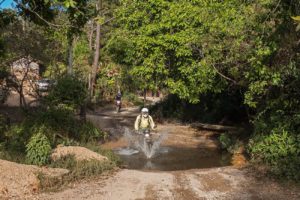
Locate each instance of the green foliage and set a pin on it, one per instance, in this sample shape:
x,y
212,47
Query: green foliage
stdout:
x,y
17,137
82,58
63,127
131,98
89,133
38,148
59,125
3,125
107,82
69,92
191,53
225,108
225,140
280,150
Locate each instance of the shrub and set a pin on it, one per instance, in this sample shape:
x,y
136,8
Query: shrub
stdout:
x,y
89,133
225,140
3,126
63,127
17,137
231,143
133,99
212,108
68,92
38,149
280,150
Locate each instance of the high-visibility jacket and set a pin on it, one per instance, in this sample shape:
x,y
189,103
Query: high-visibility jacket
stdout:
x,y
144,123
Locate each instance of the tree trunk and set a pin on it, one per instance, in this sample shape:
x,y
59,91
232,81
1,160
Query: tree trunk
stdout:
x,y
145,97
97,53
91,36
70,56
22,99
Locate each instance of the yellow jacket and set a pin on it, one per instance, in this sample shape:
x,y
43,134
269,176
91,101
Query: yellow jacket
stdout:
x,y
144,123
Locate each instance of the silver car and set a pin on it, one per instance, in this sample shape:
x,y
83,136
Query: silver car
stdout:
x,y
44,84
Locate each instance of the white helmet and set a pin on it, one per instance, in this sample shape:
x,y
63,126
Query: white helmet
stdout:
x,y
145,110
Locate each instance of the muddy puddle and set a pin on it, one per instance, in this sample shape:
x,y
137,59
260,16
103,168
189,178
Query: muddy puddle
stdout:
x,y
169,158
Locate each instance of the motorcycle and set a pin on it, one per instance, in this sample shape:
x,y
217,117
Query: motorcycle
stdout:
x,y
118,106
147,139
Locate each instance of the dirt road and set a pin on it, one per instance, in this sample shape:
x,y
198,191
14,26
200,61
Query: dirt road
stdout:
x,y
212,183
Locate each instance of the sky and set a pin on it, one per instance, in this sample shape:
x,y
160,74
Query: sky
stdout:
x,y
6,4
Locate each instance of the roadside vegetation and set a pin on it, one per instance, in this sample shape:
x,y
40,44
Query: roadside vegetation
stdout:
x,y
223,62
57,122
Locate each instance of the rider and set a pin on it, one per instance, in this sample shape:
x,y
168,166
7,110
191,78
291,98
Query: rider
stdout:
x,y
119,96
144,121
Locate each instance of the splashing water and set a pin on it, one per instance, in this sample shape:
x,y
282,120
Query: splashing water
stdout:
x,y
138,142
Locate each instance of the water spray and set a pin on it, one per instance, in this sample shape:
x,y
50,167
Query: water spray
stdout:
x,y
138,142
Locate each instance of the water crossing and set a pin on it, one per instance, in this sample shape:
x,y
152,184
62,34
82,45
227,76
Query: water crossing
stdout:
x,y
136,155
137,143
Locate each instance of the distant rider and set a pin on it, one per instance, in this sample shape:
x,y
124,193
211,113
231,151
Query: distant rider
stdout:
x,y
119,96
144,121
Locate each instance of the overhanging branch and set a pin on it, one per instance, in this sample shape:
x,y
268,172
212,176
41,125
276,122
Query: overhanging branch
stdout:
x,y
225,77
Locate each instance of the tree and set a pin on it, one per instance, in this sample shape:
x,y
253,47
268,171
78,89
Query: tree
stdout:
x,y
43,13
97,49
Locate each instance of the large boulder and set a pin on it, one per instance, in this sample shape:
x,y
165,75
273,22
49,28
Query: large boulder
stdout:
x,y
80,153
19,180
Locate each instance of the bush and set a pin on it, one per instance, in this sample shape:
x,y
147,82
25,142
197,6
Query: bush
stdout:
x,y
68,92
3,126
38,149
230,143
133,99
280,150
212,108
17,137
63,127
225,140
89,133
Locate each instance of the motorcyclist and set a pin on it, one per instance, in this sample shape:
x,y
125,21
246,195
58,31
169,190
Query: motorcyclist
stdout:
x,y
119,96
118,100
144,121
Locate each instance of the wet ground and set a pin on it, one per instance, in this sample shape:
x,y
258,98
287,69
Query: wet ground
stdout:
x,y
170,158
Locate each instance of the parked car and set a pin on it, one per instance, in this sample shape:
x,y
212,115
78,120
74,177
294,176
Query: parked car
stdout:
x,y
44,84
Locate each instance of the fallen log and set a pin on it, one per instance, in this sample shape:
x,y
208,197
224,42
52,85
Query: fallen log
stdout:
x,y
215,127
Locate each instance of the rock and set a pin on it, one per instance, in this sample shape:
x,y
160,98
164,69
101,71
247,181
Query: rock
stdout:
x,y
80,153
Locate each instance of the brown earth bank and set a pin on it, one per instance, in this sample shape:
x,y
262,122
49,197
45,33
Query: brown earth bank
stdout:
x,y
80,153
19,180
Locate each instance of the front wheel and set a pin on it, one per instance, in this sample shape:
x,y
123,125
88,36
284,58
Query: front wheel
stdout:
x,y
118,108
